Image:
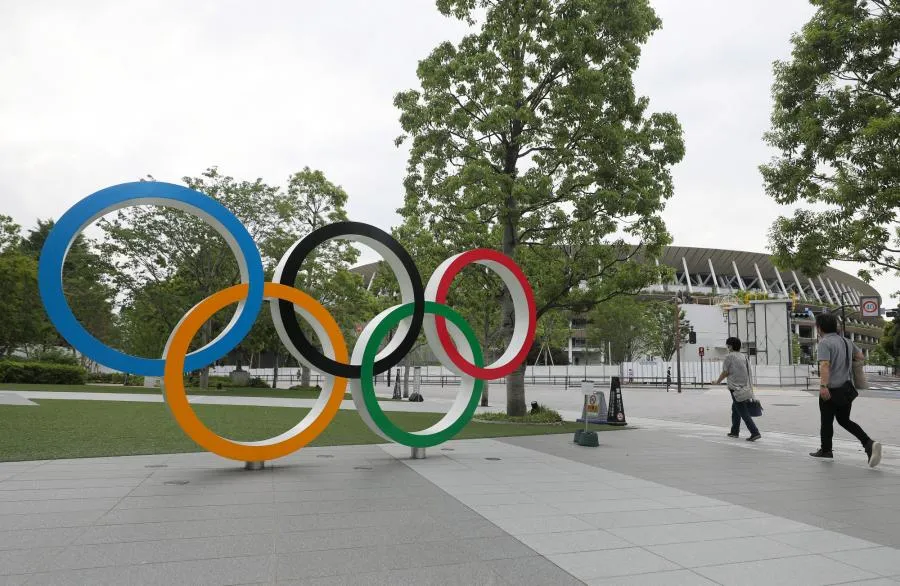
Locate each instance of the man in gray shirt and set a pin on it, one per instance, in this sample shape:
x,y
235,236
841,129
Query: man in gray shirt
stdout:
x,y
836,355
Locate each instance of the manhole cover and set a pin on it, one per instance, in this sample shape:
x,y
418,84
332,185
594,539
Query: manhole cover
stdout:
x,y
162,465
177,482
498,458
786,404
369,467
324,456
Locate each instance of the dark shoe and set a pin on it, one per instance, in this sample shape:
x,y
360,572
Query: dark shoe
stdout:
x,y
754,437
733,435
873,451
822,454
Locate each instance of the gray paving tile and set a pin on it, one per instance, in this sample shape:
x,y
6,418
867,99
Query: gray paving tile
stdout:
x,y
611,506
563,523
19,496
470,574
49,520
726,512
26,561
573,541
346,520
812,569
128,516
378,558
822,541
497,548
724,551
663,534
770,526
533,571
884,561
54,506
242,570
163,551
672,578
175,530
621,519
588,565
31,538
358,537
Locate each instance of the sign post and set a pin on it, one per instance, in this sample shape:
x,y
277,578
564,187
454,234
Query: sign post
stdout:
x,y
701,351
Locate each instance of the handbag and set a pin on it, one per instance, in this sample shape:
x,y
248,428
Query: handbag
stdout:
x,y
754,407
845,394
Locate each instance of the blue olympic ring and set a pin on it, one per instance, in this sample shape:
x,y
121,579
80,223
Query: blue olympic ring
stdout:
x,y
141,193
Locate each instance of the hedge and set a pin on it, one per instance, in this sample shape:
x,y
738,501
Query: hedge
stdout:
x,y
115,378
41,373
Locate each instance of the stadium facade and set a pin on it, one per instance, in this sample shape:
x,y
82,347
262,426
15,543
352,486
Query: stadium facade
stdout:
x,y
715,284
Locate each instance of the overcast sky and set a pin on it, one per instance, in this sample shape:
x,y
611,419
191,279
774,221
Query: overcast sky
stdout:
x,y
94,93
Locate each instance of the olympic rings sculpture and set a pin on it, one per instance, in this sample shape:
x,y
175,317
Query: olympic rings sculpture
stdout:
x,y
450,337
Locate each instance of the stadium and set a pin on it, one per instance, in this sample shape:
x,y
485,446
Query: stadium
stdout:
x,y
732,292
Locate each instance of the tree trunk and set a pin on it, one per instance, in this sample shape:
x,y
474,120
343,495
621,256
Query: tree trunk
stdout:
x,y
204,377
484,393
304,375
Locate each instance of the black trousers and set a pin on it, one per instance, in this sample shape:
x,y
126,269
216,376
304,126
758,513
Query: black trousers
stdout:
x,y
830,412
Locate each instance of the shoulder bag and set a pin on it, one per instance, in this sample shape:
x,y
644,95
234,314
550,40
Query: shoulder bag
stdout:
x,y
753,405
846,393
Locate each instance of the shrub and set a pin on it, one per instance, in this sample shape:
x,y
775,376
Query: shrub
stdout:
x,y
543,415
54,356
41,373
115,378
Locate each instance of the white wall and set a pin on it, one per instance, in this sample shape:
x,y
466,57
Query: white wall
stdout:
x,y
711,329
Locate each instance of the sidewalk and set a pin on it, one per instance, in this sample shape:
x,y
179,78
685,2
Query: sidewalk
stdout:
x,y
661,503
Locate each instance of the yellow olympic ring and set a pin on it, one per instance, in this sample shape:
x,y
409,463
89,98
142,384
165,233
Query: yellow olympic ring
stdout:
x,y
310,426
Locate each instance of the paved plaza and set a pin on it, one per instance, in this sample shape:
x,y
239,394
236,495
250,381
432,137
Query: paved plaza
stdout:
x,y
669,500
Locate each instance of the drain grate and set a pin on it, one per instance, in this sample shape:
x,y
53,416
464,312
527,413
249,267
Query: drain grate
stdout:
x,y
369,467
502,458
177,482
156,466
785,404
324,456
453,450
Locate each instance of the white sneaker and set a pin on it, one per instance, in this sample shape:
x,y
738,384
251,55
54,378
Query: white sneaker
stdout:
x,y
875,455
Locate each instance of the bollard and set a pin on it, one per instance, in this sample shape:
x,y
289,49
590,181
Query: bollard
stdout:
x,y
417,453
254,465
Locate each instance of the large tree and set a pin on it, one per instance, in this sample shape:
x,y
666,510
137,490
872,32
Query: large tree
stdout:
x,y
836,127
528,137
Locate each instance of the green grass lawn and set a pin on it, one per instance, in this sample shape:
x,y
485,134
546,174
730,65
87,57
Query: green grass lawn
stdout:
x,y
83,429
231,391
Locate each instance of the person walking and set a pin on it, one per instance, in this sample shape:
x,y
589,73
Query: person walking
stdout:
x,y
668,378
736,368
837,391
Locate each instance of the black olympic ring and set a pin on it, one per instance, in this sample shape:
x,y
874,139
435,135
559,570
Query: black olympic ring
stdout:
x,y
388,247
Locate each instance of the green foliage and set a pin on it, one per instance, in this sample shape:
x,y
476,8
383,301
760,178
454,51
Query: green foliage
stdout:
x,y
528,137
796,349
115,378
41,372
623,325
54,355
20,303
880,357
661,339
167,260
836,126
543,416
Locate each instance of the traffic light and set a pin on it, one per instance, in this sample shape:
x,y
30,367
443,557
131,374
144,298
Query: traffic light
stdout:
x,y
692,336
891,313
